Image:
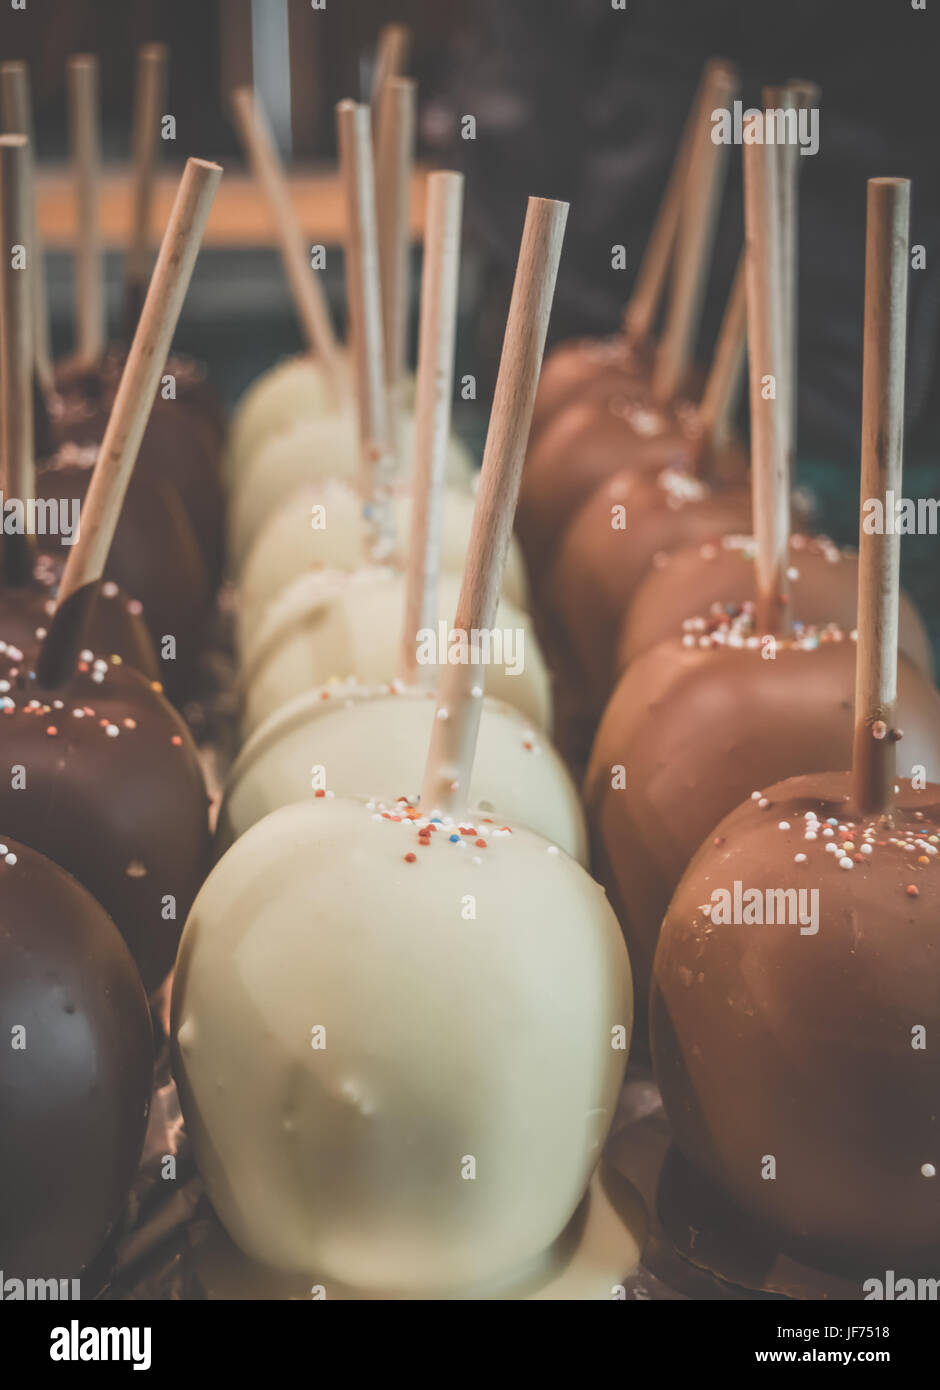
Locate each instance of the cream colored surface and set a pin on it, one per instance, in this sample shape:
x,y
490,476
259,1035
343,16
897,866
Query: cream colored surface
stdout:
x,y
293,390
600,1247
332,624
375,739
309,452
451,1040
289,544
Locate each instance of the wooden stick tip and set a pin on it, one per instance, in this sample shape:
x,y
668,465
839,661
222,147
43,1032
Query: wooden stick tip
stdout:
x,y
206,166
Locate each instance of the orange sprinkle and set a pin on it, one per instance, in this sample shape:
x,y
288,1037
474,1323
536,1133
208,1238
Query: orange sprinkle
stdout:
x,y
480,844
410,858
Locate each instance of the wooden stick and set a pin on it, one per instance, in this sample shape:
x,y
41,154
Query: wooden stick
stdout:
x,y
306,290
152,60
16,347
879,552
804,95
439,287
449,765
17,110
726,376
393,174
89,285
365,318
705,176
769,478
131,411
785,155
391,59
640,314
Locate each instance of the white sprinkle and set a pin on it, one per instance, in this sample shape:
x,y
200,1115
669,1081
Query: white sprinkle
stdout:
x,y
846,863
112,730
866,849
442,713
928,1170
552,849
828,831
811,835
763,803
799,858
9,859
783,825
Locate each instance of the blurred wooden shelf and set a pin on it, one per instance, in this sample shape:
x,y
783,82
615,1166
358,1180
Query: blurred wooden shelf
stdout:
x,y
239,218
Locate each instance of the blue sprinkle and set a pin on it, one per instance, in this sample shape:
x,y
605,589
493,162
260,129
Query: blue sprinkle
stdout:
x,y
436,820
454,839
832,821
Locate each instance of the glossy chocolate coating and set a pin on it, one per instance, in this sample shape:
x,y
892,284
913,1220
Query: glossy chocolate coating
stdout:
x,y
74,1098
686,583
588,366
579,449
697,730
117,626
113,792
153,556
769,1042
599,565
181,443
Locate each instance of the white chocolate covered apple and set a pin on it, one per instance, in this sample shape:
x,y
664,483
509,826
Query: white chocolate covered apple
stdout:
x,y
309,452
324,525
332,624
399,1045
346,737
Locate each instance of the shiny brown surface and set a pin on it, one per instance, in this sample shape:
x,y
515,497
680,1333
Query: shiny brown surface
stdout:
x,y
697,731
154,556
182,442
768,1042
74,1097
117,626
114,794
578,450
690,580
599,566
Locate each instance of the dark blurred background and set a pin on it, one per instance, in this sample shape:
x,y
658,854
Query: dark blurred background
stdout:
x,y
572,99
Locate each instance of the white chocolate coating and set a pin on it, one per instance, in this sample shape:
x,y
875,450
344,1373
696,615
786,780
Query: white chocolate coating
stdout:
x,y
292,390
310,451
330,624
367,736
289,543
475,1006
